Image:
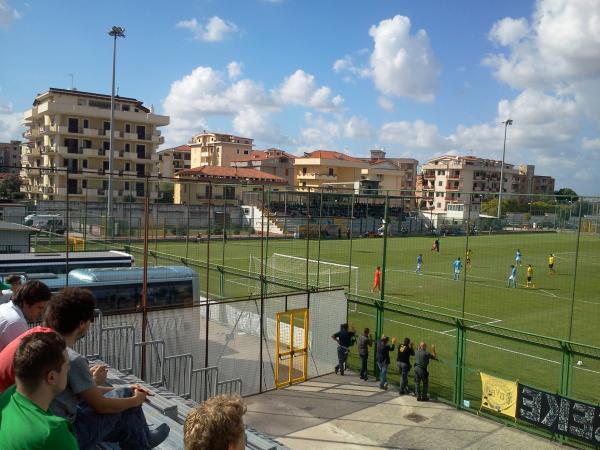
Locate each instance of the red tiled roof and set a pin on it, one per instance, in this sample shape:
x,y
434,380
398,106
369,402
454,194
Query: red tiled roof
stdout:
x,y
330,154
183,148
217,173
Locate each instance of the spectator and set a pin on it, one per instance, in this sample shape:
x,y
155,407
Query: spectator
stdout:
x,y
14,283
422,357
217,424
27,305
405,351
97,413
344,340
383,359
364,342
41,365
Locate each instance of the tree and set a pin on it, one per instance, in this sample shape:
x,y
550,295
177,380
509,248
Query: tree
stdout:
x,y
10,187
166,193
566,195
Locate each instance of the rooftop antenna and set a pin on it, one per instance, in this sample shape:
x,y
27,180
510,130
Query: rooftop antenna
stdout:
x,y
117,91
72,88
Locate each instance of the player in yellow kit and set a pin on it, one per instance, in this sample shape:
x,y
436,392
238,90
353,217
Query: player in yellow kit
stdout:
x,y
529,277
551,261
468,261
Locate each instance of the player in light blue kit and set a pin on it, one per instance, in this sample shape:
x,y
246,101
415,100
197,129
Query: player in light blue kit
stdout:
x,y
419,264
457,268
512,280
518,257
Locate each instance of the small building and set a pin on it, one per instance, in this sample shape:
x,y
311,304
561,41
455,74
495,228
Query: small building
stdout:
x,y
218,149
273,161
219,185
10,157
172,160
13,212
14,237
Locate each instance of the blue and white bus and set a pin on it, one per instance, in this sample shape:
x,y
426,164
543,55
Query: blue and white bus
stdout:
x,y
119,290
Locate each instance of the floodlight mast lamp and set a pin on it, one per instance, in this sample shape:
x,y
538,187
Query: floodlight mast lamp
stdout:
x,y
506,123
115,32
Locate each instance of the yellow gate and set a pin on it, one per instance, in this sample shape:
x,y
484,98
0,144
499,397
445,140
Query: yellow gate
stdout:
x,y
291,347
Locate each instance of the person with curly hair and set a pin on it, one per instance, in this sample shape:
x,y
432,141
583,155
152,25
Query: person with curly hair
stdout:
x,y
217,424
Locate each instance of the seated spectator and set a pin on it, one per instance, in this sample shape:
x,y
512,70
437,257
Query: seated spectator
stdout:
x,y
27,305
217,424
41,366
98,413
8,290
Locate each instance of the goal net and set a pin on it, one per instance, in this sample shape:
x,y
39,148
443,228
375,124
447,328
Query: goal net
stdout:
x,y
323,274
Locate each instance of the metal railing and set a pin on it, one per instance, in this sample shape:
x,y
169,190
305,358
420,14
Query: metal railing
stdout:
x,y
117,347
177,373
204,383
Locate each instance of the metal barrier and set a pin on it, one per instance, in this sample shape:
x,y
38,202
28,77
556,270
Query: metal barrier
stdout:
x,y
177,374
230,387
149,361
89,345
204,383
117,347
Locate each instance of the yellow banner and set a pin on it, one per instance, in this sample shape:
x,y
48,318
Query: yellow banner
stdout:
x,y
499,395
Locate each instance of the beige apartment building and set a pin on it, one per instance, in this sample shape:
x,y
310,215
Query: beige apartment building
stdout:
x,y
10,157
327,167
273,161
217,149
69,130
172,160
534,185
449,180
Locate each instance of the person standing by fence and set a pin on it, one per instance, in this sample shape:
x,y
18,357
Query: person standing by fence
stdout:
x,y
405,351
344,340
422,358
383,359
364,342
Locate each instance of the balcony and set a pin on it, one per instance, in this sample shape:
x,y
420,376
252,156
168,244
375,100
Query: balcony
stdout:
x,y
130,136
316,176
106,133
454,177
450,198
93,152
452,187
158,139
90,131
33,151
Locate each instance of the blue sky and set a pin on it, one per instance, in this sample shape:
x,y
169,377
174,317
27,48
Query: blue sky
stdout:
x,y
416,78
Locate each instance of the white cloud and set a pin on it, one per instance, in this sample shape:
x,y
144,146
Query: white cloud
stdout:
x,y
414,135
402,64
323,133
7,14
216,29
206,93
10,123
386,103
234,70
590,144
509,31
301,89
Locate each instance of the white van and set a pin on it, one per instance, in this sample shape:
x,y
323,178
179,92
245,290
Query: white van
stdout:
x,y
47,222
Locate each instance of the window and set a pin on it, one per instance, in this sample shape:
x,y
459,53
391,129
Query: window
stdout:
x,y
127,128
439,205
105,165
287,172
127,147
304,171
139,189
106,145
125,108
87,143
105,184
229,192
73,125
72,145
107,125
126,185
141,131
140,151
208,191
330,171
440,183
245,152
84,183
85,163
86,123
127,166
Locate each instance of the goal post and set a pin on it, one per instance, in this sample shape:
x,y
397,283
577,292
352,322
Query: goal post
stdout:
x,y
323,274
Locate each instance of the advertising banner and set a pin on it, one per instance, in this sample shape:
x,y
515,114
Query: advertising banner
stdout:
x,y
559,414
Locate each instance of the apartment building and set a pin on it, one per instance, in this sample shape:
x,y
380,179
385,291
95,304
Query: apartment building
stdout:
x,y
449,180
273,161
534,185
217,149
69,130
326,167
172,160
10,157
219,185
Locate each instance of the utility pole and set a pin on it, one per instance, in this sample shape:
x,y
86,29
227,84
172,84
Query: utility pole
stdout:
x,y
506,123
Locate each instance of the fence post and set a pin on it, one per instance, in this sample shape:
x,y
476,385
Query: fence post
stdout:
x,y
379,313
459,376
565,366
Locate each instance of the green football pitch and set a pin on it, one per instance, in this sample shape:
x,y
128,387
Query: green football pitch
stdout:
x,y
572,293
